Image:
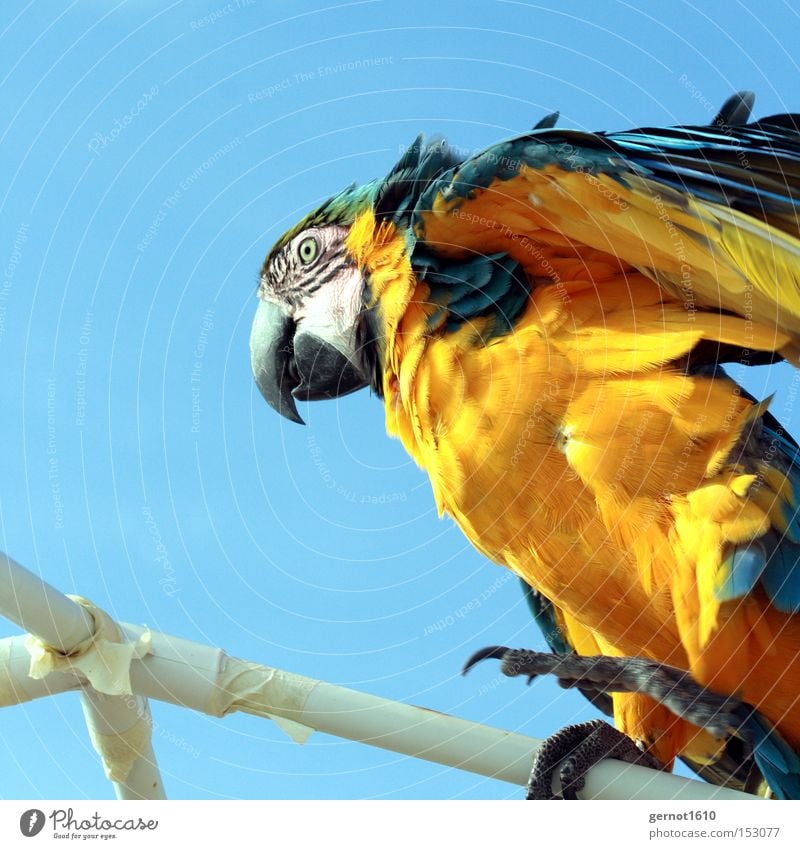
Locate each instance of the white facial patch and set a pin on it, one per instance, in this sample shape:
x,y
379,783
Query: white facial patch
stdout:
x,y
331,312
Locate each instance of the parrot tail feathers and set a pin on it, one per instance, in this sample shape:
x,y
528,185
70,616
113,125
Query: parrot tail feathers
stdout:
x,y
778,762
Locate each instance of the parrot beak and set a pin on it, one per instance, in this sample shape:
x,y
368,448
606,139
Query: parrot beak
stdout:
x,y
289,363
271,357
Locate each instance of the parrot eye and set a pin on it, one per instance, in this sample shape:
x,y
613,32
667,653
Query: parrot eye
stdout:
x,y
307,250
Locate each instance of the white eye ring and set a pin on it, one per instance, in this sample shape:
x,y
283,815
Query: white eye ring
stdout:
x,y
307,250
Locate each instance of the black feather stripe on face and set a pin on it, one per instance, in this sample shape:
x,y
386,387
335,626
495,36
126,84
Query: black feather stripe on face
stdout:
x,y
332,269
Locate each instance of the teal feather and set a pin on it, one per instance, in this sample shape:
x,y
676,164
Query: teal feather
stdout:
x,y
792,517
544,615
781,579
493,286
741,569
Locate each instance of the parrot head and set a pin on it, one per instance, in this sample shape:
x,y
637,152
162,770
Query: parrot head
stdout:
x,y
309,338
316,333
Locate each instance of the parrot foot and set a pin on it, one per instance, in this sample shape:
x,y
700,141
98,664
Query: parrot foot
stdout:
x,y
571,752
674,688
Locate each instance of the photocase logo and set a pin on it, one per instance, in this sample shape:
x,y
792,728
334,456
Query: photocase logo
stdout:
x,y
31,822
66,825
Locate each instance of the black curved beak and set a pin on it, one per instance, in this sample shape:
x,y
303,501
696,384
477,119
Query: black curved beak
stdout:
x,y
288,364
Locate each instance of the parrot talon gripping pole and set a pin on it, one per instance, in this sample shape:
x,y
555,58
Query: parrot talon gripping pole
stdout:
x,y
578,747
573,750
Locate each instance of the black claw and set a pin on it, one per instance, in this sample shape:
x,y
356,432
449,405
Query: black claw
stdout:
x,y
487,653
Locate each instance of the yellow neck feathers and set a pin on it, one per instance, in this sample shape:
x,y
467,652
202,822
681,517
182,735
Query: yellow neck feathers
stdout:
x,y
379,250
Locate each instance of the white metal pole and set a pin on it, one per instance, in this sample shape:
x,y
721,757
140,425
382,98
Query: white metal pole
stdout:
x,y
40,609
206,679
113,717
62,624
448,740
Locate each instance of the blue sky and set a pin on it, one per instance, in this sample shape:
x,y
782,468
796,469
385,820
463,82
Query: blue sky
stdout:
x,y
151,155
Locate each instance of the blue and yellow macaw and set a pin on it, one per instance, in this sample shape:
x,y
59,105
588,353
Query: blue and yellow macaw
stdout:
x,y
546,323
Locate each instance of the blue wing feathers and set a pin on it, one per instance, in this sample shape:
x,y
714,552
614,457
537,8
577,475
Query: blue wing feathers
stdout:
x,y
778,762
742,569
493,286
773,560
752,166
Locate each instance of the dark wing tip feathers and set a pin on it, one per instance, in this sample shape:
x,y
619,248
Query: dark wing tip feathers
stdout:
x,y
548,122
419,166
735,110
